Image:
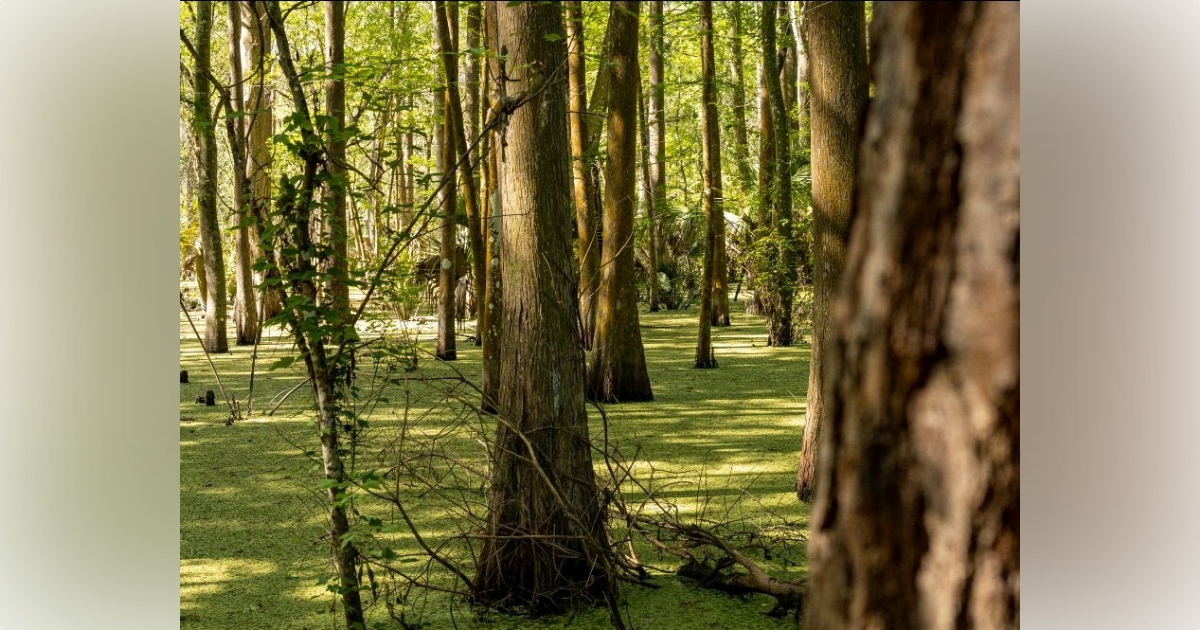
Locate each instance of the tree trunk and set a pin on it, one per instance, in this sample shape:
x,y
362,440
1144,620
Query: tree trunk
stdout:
x,y
470,125
245,305
256,43
783,283
658,136
618,369
710,151
492,303
324,371
916,520
447,197
648,201
581,172
335,102
720,276
454,119
761,304
837,42
546,544
210,228
741,145
802,75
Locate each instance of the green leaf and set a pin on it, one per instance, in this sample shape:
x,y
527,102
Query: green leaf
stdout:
x,y
282,363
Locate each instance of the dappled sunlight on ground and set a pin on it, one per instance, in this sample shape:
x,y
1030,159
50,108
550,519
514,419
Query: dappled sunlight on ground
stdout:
x,y
716,445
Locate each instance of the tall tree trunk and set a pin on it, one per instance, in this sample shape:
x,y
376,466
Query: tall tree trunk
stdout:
x,y
648,201
788,67
454,120
245,306
447,196
741,145
783,285
720,276
477,232
761,304
710,151
492,303
802,75
658,134
584,186
210,228
618,369
256,44
546,542
335,103
916,521
837,39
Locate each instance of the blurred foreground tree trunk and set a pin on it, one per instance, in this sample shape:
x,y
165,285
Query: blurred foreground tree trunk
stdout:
x,y
916,521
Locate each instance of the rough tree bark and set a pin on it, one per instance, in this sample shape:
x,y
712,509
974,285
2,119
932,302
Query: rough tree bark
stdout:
x,y
837,42
710,152
916,520
618,369
210,228
546,533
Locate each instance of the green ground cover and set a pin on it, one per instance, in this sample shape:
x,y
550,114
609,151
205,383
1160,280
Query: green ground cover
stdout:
x,y
721,445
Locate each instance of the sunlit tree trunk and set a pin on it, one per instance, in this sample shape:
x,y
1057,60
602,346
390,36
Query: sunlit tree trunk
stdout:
x,y
916,520
245,306
546,536
210,228
618,369
583,184
783,284
322,353
255,47
454,120
492,306
658,137
335,102
447,197
762,262
720,254
478,229
648,202
710,150
837,40
741,144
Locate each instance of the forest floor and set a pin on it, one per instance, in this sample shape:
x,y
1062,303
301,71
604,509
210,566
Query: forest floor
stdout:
x,y
721,445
